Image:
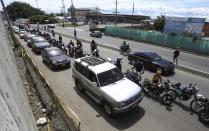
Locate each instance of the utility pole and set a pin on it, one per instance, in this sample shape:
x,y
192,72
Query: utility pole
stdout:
x,y
37,4
116,12
97,15
63,7
73,18
133,16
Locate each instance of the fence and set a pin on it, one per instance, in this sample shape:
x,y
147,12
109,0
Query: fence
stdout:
x,y
172,40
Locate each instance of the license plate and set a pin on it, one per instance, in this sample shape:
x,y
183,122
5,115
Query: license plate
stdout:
x,y
63,65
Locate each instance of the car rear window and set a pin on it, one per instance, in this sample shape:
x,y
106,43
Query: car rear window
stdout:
x,y
55,52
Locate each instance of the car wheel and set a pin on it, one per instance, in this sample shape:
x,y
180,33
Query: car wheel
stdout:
x,y
51,66
78,86
108,109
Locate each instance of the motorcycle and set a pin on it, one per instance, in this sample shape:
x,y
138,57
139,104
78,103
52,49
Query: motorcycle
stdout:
x,y
78,52
72,51
154,90
134,76
186,93
64,49
183,93
198,103
203,114
124,49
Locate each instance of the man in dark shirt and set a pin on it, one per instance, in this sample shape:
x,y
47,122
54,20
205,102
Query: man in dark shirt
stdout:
x,y
176,54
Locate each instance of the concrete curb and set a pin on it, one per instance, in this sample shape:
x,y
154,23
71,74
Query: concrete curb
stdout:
x,y
193,71
180,67
70,118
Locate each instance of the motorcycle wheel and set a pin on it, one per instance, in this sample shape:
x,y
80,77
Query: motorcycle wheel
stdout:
x,y
196,106
203,116
166,99
173,94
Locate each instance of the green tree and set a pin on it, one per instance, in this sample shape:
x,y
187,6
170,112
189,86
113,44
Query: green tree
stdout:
x,y
42,19
159,23
22,10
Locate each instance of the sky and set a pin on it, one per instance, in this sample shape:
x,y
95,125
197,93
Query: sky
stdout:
x,y
153,8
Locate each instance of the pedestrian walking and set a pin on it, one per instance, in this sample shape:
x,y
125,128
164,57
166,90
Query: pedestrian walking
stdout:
x,y
176,54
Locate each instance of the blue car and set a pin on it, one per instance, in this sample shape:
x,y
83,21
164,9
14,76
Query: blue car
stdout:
x,y
152,61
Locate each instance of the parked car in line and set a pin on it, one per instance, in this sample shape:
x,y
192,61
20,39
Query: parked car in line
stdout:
x,y
55,58
38,43
96,34
105,83
152,61
25,35
15,29
29,39
51,26
21,33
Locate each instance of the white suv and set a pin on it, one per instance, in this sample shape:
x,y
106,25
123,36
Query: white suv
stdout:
x,y
105,83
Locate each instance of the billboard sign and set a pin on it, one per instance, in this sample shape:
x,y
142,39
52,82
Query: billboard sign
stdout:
x,y
184,24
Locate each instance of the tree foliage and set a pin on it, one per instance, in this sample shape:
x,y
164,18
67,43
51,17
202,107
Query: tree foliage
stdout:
x,y
159,23
43,19
22,10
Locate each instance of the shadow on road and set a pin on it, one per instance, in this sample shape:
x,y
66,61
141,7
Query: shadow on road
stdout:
x,y
120,121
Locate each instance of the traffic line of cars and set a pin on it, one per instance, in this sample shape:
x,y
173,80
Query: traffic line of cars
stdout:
x,y
54,57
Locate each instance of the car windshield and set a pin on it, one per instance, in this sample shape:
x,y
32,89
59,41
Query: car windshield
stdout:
x,y
55,53
155,56
110,76
37,40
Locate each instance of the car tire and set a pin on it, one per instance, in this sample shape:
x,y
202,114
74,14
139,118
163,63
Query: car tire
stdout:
x,y
78,86
51,66
108,109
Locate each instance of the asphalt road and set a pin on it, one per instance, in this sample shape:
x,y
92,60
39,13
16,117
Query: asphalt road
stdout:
x,y
185,59
150,115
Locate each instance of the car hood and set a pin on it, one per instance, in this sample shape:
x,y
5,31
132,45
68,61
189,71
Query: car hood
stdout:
x,y
122,90
164,63
59,58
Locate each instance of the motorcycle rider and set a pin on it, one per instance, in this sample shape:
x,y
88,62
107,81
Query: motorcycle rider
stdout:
x,y
125,46
138,66
79,44
71,48
95,52
53,33
93,46
60,38
118,63
157,78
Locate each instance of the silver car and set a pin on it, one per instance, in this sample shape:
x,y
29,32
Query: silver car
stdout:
x,y
105,83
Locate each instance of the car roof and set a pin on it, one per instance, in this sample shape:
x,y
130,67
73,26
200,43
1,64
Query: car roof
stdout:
x,y
51,48
99,68
149,53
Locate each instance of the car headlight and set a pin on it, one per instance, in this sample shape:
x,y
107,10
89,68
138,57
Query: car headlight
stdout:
x,y
54,62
